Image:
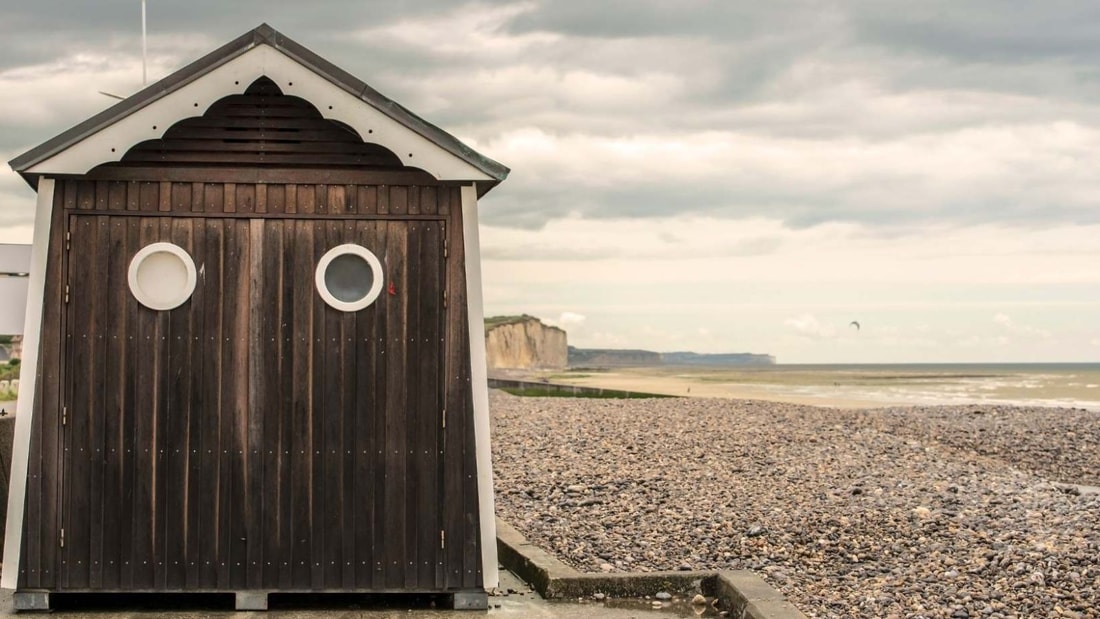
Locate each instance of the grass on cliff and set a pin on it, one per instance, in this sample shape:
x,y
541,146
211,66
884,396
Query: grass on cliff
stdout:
x,y
496,321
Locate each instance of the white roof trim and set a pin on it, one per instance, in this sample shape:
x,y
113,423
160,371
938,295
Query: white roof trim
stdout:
x,y
233,77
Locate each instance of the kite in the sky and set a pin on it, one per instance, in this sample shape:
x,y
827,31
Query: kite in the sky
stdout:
x,y
854,324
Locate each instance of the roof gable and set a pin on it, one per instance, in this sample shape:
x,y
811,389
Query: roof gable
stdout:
x,y
230,70
262,128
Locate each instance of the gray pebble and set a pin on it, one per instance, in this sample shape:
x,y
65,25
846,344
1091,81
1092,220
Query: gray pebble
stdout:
x,y
955,511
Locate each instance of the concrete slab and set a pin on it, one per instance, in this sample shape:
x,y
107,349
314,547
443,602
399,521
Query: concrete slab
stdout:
x,y
742,593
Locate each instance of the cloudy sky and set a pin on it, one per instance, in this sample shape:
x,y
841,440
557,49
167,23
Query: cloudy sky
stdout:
x,y
708,175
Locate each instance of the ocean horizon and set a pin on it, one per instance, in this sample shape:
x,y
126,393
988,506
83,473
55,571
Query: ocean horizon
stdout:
x,y
1093,365
1073,385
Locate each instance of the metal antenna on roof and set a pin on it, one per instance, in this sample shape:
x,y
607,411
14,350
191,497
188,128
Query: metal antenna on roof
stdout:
x,y
144,73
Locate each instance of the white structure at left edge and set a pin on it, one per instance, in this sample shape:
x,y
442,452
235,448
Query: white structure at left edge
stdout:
x,y
15,266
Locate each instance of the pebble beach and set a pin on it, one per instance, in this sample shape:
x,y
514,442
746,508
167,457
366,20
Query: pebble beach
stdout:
x,y
945,511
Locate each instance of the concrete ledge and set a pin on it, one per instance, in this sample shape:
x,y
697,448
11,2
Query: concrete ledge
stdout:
x,y
636,585
744,594
747,595
529,562
577,391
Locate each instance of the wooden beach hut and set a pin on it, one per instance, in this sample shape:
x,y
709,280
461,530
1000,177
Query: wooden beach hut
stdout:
x,y
255,345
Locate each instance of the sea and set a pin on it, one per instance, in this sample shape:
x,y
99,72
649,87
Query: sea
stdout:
x,y
1072,385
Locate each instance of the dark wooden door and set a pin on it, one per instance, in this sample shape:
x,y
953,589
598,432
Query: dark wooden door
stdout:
x,y
253,437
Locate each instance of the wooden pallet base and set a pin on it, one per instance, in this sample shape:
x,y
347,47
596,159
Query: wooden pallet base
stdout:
x,y
470,600
250,599
31,600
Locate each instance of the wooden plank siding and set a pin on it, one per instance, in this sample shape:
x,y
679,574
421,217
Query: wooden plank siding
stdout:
x,y
253,437
461,517
337,200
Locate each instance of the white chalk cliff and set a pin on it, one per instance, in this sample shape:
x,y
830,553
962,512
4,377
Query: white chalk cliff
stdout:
x,y
523,342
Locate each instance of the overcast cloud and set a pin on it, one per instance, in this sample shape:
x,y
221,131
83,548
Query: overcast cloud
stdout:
x,y
942,151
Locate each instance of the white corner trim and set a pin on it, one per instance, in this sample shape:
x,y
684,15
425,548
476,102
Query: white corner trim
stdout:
x,y
233,77
355,250
479,383
28,374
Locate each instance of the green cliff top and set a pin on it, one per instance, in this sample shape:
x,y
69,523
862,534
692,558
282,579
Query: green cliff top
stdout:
x,y
499,321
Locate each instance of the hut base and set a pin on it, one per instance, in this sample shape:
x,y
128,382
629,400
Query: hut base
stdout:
x,y
461,600
471,600
250,600
243,600
31,600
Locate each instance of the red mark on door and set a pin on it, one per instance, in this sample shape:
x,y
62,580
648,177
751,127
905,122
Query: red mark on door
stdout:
x,y
392,289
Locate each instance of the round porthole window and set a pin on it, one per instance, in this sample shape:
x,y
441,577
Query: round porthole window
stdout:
x,y
349,277
162,276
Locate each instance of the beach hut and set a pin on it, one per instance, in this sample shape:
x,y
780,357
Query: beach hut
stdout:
x,y
255,345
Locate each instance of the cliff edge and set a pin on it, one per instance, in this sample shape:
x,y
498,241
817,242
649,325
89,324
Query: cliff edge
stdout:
x,y
524,342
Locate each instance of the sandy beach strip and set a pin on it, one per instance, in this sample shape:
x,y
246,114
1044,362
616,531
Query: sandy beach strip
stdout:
x,y
649,380
688,382
867,386
890,512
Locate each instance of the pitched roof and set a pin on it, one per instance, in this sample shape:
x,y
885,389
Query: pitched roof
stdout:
x,y
264,35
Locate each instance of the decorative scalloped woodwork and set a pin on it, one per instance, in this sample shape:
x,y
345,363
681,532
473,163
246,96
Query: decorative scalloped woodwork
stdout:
x,y
262,128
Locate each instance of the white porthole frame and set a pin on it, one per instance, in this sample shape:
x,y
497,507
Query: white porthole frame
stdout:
x,y
376,271
162,304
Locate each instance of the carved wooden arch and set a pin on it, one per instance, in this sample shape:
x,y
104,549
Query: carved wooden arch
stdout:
x,y
262,128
